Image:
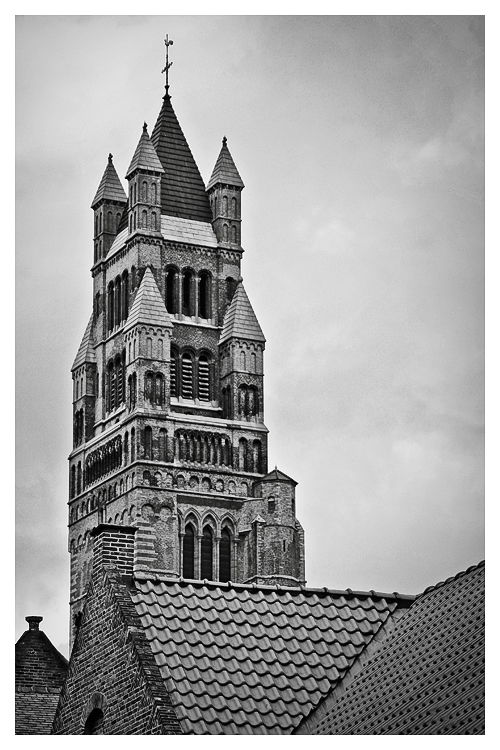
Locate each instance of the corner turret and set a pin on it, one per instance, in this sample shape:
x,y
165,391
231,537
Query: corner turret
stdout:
x,y
144,176
108,206
224,193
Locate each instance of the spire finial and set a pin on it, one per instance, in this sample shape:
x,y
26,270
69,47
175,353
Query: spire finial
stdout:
x,y
110,158
224,141
145,128
168,42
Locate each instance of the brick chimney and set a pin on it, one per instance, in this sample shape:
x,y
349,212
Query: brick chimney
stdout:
x,y
113,547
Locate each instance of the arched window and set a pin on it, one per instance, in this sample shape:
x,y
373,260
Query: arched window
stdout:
x,y
149,347
234,208
187,376
170,290
79,478
118,219
234,235
224,205
144,191
94,723
110,222
118,300
100,221
133,277
125,294
188,552
154,223
111,306
153,193
187,293
207,544
130,223
148,386
144,219
163,444
73,481
125,448
159,395
96,225
135,220
148,443
242,455
225,556
243,361
203,378
204,304
230,288
132,390
132,444
225,233
174,372
257,456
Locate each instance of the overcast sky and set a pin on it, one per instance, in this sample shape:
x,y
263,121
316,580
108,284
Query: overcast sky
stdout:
x,y
360,142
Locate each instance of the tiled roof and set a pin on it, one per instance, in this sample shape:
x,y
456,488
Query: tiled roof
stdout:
x,y
145,156
277,476
225,171
182,189
240,321
110,187
245,660
86,352
148,306
426,677
40,674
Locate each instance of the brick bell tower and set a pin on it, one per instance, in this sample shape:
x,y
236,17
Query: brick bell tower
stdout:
x,y
168,401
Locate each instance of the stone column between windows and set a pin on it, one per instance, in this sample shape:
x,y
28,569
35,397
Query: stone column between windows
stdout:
x,y
181,553
197,557
176,293
216,558
196,296
179,277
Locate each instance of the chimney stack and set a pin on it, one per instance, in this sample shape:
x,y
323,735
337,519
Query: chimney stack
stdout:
x,y
113,547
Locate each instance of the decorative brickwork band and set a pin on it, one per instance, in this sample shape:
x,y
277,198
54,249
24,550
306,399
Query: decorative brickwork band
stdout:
x,y
114,547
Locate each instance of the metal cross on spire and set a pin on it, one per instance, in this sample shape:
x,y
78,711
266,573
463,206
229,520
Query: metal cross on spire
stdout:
x,y
168,42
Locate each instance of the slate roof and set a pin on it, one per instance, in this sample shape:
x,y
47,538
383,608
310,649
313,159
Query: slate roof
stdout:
x,y
148,306
277,476
182,188
245,660
426,677
145,156
225,171
86,351
110,187
240,321
40,674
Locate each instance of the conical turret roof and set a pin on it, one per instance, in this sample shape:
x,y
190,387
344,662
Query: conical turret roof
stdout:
x,y
148,306
182,188
145,156
225,171
86,351
240,321
110,187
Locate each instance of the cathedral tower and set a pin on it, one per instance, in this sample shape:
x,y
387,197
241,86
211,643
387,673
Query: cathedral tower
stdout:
x,y
168,406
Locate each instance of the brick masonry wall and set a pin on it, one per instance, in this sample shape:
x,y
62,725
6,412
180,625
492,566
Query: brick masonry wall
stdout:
x,y
111,658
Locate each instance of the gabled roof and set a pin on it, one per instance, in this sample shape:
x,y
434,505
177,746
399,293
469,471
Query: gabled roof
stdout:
x,y
40,674
426,676
225,171
145,156
245,660
277,476
110,187
240,321
86,351
182,188
148,306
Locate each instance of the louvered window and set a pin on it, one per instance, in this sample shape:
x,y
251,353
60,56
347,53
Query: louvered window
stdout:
x,y
203,379
225,556
174,387
188,553
187,376
206,554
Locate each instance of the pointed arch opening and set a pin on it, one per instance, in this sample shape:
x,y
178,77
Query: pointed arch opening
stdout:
x,y
188,552
225,556
207,546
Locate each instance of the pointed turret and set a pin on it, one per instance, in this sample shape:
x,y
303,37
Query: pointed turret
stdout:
x,y
240,321
241,347
148,307
86,351
108,206
224,193
84,371
182,189
143,175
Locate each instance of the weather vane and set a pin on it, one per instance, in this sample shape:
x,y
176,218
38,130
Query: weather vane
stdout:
x,y
168,42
